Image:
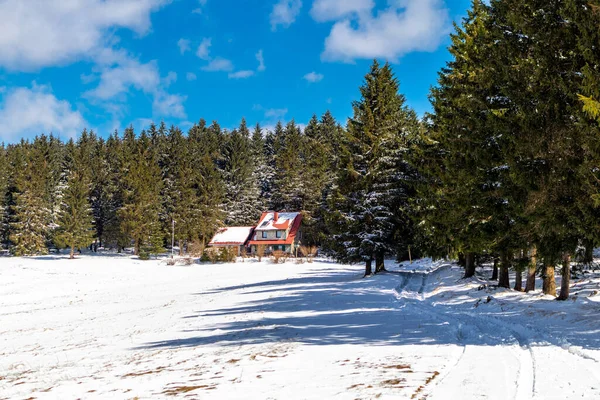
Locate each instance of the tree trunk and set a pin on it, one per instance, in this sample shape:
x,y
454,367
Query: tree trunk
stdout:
x,y
180,248
495,271
588,258
530,285
566,277
519,281
72,254
368,267
379,263
461,260
503,280
469,265
549,285
136,249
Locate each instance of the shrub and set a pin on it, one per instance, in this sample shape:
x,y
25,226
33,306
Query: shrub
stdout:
x,y
278,256
196,248
309,252
260,251
144,255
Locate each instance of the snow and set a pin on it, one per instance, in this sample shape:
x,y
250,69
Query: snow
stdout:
x,y
115,327
232,235
268,222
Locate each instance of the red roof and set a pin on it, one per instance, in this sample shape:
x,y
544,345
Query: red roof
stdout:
x,y
291,236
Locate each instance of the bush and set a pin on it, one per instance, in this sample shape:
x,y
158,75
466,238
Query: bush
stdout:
x,y
260,251
279,256
196,248
228,254
171,261
309,252
144,255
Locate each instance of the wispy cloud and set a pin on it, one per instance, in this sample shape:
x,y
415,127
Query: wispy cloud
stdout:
x,y
219,64
203,51
184,45
261,61
284,13
241,74
190,76
313,77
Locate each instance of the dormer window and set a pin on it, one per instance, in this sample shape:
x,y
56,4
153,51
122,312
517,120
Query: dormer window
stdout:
x,y
278,234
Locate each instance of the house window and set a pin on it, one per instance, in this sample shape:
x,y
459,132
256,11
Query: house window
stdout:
x,y
278,234
264,234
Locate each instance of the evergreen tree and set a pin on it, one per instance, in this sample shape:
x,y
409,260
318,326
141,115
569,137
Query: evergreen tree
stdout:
x,y
288,186
263,171
75,223
142,187
242,190
370,186
208,180
32,214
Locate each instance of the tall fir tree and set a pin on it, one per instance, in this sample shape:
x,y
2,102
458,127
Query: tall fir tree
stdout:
x,y
140,212
370,188
75,223
242,191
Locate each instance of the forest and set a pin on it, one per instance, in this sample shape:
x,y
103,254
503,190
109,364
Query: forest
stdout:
x,y
505,168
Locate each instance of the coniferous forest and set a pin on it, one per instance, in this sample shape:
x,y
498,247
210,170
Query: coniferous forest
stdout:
x,y
505,168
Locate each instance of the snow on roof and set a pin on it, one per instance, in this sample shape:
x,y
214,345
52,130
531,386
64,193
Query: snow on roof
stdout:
x,y
284,220
235,235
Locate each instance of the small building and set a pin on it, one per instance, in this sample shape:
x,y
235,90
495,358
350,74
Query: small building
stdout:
x,y
277,232
236,237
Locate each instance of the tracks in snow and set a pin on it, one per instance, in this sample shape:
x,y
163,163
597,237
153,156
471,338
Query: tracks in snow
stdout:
x,y
500,359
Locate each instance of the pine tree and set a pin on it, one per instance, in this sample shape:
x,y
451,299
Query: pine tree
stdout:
x,y
208,180
288,186
263,172
142,183
32,214
371,186
242,190
75,223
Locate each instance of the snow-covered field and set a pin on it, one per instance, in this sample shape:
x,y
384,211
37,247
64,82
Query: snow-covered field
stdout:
x,y
114,327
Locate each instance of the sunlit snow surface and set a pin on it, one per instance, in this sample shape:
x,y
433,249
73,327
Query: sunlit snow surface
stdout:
x,y
115,327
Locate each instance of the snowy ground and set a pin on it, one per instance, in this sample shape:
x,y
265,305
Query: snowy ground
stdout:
x,y
113,327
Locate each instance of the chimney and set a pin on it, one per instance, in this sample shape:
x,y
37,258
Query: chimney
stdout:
x,y
275,217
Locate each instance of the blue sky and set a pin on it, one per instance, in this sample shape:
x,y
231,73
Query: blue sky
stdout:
x,y
106,64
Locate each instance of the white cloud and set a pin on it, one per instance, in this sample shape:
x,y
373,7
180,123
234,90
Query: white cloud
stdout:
x,y
241,74
275,113
32,111
404,27
115,80
124,73
166,104
313,77
184,45
38,33
190,76
261,61
219,64
284,13
203,51
332,10
170,78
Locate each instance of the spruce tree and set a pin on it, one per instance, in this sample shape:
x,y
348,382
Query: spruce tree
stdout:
x,y
370,187
4,195
142,187
75,224
32,214
242,190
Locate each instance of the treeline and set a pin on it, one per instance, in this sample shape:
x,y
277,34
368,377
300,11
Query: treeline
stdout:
x,y
511,154
127,190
